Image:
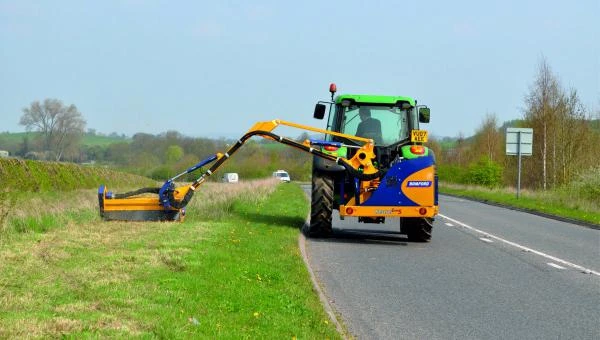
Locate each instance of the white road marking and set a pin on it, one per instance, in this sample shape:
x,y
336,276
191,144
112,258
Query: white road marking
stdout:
x,y
486,240
449,224
526,249
555,265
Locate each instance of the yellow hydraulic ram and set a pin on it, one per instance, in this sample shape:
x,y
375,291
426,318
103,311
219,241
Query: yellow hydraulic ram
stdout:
x,y
168,202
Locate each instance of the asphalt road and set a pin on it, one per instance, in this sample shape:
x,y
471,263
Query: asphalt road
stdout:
x,y
488,273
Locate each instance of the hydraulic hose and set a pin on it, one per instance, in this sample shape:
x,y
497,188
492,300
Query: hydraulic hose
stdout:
x,y
359,174
137,192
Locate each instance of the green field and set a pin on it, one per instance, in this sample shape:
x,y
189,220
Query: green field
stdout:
x,y
14,138
96,140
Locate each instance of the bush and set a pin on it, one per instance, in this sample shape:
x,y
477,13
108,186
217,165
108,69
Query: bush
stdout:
x,y
162,173
485,172
451,173
587,185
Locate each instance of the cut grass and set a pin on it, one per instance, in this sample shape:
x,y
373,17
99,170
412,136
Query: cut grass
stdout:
x,y
239,277
551,202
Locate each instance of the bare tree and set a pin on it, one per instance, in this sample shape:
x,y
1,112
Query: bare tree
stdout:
x,y
488,139
543,103
563,135
61,126
578,140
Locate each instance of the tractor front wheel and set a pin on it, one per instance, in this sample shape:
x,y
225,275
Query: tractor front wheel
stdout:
x,y
417,229
321,204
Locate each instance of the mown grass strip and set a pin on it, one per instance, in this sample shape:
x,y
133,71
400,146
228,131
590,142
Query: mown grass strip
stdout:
x,y
239,277
536,202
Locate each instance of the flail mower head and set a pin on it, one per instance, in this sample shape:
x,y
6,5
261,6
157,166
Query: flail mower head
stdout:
x,y
138,206
166,203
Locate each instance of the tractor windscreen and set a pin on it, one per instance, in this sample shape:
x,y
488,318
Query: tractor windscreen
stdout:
x,y
385,125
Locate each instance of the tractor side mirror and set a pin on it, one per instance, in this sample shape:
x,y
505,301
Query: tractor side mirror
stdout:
x,y
424,115
319,111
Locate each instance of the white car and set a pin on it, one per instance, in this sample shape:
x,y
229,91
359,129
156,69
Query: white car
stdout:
x,y
282,175
230,177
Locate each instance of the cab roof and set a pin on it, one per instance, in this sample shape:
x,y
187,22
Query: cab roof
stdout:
x,y
374,99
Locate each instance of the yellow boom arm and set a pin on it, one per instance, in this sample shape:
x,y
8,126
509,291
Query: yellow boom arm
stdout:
x,y
172,200
362,160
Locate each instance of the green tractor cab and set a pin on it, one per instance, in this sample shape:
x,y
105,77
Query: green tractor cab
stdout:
x,y
392,122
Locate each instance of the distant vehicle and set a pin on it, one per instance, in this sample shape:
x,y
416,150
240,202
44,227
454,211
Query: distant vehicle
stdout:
x,y
282,175
4,154
230,177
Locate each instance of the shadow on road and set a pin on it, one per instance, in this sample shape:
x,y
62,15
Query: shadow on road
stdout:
x,y
364,236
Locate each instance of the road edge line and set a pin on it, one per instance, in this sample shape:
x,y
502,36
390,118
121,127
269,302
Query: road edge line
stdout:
x,y
581,223
527,249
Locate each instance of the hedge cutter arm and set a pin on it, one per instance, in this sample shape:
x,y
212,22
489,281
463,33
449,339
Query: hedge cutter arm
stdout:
x,y
171,202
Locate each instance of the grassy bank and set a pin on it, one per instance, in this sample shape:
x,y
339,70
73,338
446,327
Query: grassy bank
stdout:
x,y
37,196
231,270
562,203
18,175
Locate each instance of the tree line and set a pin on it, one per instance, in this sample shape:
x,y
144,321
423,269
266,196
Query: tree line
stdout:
x,y
161,156
58,129
566,142
167,154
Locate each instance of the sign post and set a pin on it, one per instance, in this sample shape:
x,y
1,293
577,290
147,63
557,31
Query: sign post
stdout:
x,y
519,142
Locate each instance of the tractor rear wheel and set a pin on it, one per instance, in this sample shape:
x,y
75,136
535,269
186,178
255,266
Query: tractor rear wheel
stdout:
x,y
417,229
321,204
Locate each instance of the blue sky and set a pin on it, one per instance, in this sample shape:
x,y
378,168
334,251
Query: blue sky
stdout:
x,y
214,68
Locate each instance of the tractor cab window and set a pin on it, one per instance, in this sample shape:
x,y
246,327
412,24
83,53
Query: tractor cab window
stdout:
x,y
385,125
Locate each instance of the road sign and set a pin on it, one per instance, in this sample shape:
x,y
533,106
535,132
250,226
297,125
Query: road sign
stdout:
x,y
519,142
519,139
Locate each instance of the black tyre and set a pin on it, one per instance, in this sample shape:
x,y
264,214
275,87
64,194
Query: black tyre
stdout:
x,y
321,204
417,229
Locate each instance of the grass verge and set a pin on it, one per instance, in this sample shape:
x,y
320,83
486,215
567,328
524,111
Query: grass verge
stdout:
x,y
36,176
551,202
240,276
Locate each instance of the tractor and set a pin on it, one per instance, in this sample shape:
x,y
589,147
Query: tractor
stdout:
x,y
407,188
371,165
